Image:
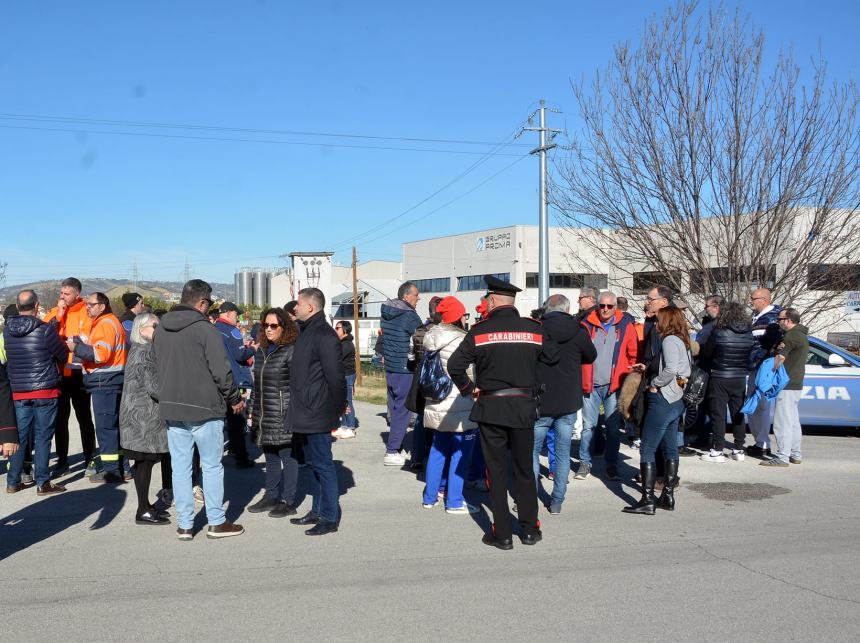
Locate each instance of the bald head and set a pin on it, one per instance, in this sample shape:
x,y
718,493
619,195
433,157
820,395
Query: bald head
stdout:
x,y
495,300
760,299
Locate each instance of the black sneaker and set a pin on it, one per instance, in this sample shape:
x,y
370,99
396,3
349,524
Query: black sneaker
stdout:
x,y
264,504
282,510
109,477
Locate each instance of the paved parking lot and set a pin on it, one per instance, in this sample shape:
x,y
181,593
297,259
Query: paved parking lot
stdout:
x,y
751,552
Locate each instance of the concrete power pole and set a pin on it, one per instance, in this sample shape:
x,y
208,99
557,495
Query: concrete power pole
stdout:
x,y
543,236
355,317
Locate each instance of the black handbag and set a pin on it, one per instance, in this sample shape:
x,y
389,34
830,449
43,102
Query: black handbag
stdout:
x,y
697,386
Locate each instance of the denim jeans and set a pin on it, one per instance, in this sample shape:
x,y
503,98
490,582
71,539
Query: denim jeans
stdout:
x,y
209,438
348,419
562,425
590,415
660,427
456,449
36,421
550,448
318,454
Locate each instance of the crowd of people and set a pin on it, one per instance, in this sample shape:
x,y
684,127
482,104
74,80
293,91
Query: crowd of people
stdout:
x,y
486,400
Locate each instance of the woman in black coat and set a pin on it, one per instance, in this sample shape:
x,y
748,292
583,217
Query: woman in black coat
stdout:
x,y
270,401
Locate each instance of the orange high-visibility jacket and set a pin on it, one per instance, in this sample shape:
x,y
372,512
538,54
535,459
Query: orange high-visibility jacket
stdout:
x,y
107,339
75,322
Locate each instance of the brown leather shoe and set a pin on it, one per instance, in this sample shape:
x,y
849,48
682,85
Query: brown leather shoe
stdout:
x,y
15,488
224,530
49,488
185,534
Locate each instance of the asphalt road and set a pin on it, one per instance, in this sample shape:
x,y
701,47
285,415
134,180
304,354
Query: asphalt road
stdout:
x,y
750,553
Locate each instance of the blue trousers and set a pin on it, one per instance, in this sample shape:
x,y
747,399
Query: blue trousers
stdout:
x,y
325,498
36,421
209,438
456,450
106,414
348,419
398,415
660,428
562,426
590,415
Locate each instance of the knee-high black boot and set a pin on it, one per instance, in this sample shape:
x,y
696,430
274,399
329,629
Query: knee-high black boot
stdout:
x,y
647,505
667,498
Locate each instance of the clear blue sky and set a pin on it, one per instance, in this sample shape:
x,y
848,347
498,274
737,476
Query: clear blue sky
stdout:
x,y
89,201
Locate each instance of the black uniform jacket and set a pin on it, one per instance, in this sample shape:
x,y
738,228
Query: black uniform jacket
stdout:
x,y
505,349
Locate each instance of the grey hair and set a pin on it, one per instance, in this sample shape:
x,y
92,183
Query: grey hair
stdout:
x,y
733,315
610,294
557,303
588,292
140,321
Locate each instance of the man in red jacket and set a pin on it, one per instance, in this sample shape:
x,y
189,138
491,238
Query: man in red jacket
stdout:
x,y
616,342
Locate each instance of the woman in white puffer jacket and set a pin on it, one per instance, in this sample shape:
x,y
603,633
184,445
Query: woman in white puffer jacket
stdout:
x,y
454,433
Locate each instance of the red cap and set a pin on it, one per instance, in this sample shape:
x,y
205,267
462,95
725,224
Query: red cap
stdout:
x,y
450,309
481,308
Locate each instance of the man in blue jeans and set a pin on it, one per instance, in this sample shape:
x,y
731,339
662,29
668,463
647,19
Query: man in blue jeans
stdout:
x,y
614,338
561,398
35,354
195,388
317,400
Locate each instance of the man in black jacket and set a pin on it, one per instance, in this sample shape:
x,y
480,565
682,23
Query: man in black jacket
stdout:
x,y
317,400
34,353
8,427
562,390
195,386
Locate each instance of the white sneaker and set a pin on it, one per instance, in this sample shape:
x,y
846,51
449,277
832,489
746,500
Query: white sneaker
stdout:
x,y
429,505
198,494
466,509
738,454
713,456
394,460
345,433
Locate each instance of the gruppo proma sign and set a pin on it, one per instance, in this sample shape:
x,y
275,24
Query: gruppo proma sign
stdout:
x,y
496,241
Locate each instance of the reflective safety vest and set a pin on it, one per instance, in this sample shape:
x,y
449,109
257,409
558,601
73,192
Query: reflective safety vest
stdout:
x,y
107,339
74,323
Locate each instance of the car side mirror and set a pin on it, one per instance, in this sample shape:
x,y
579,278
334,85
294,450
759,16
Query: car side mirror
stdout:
x,y
836,360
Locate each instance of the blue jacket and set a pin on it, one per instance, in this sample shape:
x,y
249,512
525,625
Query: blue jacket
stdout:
x,y
237,353
35,354
768,384
399,322
768,334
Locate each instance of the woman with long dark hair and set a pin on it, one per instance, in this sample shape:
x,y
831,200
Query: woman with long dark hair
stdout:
x,y
665,406
270,401
727,354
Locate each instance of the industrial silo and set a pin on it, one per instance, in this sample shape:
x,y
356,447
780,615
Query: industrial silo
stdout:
x,y
246,287
237,286
261,287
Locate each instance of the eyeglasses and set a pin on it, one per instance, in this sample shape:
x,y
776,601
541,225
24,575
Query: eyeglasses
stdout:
x,y
581,297
653,298
90,304
607,306
754,298
209,302
271,326
782,319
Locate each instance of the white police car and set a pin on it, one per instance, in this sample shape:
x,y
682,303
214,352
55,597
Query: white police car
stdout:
x,y
831,387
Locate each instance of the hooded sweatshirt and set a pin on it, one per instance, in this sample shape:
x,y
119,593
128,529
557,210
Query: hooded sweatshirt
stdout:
x,y
399,321
194,376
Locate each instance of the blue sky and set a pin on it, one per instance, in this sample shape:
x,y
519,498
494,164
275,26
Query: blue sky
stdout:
x,y
91,198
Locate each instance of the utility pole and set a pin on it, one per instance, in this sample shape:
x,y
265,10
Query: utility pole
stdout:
x,y
134,276
355,317
543,235
187,271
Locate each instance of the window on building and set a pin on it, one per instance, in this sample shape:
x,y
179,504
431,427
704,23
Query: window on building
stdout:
x,y
720,276
833,276
645,281
569,280
476,282
439,284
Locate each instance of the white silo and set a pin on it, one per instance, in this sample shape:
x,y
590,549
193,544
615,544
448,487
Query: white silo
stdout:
x,y
246,287
261,287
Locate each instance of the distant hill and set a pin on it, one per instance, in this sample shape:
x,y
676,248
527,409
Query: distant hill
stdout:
x,y
48,291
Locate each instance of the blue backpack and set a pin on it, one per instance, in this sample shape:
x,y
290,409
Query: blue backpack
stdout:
x,y
434,383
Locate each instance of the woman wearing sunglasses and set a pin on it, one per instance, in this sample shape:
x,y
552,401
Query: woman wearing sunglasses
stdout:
x,y
143,435
270,401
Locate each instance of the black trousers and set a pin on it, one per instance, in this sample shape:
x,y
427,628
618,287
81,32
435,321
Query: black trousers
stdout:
x,y
236,423
723,394
73,394
496,441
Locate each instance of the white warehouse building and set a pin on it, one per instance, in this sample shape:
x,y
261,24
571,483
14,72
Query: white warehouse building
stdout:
x,y
455,265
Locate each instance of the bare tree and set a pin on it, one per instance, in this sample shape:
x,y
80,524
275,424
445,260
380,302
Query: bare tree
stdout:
x,y
714,174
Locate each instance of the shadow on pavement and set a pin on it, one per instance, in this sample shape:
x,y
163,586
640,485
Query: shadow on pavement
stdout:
x,y
54,514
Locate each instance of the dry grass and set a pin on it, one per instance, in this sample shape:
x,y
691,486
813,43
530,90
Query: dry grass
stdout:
x,y
372,387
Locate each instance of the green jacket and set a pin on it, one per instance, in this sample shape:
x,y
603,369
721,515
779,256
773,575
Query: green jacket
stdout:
x,y
795,349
